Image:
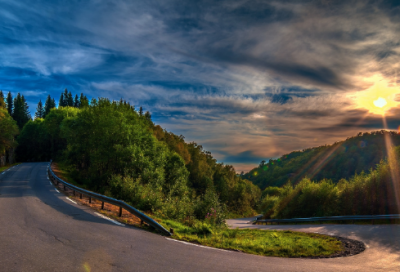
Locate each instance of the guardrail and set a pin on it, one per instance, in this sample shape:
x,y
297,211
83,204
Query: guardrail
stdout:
x,y
105,199
329,218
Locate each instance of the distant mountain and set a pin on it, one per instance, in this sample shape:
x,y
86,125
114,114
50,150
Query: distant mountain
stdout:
x,y
341,160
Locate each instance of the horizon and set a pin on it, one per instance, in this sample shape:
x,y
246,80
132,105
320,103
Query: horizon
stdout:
x,y
248,81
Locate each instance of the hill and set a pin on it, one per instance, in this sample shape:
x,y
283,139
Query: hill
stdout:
x,y
340,160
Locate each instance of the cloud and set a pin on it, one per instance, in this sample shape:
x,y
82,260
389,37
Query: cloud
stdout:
x,y
247,79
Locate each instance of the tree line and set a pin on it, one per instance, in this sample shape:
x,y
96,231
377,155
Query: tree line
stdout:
x,y
340,160
112,148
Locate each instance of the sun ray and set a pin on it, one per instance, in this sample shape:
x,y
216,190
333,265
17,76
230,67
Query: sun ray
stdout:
x,y
394,167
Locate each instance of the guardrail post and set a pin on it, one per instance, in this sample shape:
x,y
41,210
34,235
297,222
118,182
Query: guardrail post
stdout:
x,y
171,230
64,188
73,192
102,205
120,211
80,196
141,222
90,199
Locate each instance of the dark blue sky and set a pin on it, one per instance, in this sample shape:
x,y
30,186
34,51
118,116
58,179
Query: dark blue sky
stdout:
x,y
249,80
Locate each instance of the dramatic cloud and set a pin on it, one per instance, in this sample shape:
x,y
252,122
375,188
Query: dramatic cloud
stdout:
x,y
249,80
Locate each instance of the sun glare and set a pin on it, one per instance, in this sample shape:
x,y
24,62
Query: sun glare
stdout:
x,y
380,102
379,98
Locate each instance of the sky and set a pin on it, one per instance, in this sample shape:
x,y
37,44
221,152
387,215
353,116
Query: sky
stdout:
x,y
248,80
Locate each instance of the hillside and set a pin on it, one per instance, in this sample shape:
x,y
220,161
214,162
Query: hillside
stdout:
x,y
340,160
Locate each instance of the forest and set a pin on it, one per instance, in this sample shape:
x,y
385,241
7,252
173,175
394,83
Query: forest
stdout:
x,y
112,148
340,160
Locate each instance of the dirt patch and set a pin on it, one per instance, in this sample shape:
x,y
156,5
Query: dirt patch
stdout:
x,y
350,247
108,209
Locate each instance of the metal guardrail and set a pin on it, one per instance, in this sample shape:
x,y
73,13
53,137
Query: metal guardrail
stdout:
x,y
329,218
121,204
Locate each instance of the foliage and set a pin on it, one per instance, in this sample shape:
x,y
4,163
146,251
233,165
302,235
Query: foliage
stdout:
x,y
21,112
116,150
8,131
40,112
341,160
364,194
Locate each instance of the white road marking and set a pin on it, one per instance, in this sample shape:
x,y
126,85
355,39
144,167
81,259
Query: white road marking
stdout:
x,y
187,243
57,191
109,219
72,200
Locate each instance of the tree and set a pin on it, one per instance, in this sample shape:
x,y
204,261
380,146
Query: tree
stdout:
x,y
8,131
70,99
10,105
61,102
77,103
40,112
140,111
48,105
2,101
21,112
84,101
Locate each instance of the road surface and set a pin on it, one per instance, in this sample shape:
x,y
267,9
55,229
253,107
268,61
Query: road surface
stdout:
x,y
40,230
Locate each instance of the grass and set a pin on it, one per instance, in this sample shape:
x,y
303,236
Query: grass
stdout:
x,y
3,168
259,242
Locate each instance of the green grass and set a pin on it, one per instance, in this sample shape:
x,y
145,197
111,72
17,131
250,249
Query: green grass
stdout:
x,y
3,168
259,242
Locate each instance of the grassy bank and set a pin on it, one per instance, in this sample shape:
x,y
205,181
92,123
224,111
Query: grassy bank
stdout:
x,y
259,242
4,168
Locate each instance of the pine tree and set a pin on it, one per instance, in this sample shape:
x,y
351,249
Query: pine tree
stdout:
x,y
40,112
61,102
140,111
21,112
70,100
2,101
10,105
48,105
84,102
77,103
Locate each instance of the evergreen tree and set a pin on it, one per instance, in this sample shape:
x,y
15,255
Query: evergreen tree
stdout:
x,y
2,102
70,100
77,103
140,111
10,105
40,112
84,101
61,102
48,105
21,112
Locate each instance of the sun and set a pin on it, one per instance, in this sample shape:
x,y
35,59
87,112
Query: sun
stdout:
x,y
380,102
379,98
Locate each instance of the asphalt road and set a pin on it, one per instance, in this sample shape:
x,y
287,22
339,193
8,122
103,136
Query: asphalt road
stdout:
x,y
40,230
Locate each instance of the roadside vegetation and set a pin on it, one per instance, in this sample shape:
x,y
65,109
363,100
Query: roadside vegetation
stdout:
x,y
115,149
372,193
259,242
341,160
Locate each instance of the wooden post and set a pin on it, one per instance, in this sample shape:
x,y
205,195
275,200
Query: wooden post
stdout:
x,y
90,199
64,188
120,211
102,205
80,196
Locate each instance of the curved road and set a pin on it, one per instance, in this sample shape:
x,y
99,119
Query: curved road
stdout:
x,y
40,230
